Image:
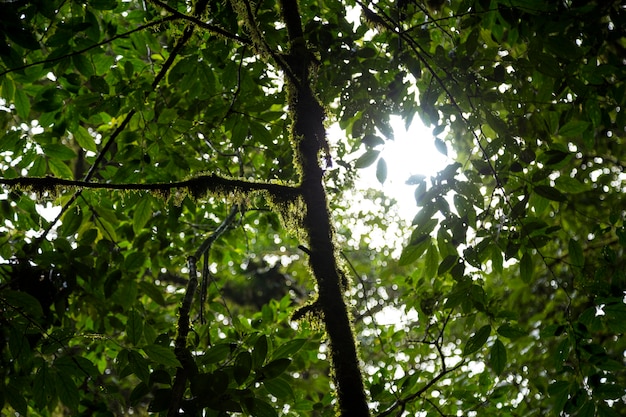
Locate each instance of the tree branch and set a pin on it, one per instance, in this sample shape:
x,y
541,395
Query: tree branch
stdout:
x,y
207,26
197,187
200,5
96,45
404,401
188,366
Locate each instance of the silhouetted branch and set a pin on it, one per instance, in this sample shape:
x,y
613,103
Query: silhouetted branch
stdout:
x,y
188,366
197,187
404,401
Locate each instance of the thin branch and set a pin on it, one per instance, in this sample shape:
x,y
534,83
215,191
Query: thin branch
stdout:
x,y
109,143
183,355
207,26
404,401
203,251
96,45
206,245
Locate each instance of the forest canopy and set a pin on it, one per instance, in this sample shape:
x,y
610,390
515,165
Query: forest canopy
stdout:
x,y
211,255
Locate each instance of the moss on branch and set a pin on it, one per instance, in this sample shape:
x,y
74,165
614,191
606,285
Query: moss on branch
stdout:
x,y
197,187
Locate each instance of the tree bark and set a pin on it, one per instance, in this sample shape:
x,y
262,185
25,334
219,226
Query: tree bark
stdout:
x,y
309,138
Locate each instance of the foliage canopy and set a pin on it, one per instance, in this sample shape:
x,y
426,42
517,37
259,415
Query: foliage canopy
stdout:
x,y
203,210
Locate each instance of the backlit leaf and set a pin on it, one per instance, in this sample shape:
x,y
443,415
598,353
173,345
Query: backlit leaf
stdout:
x,y
526,267
143,213
381,171
477,340
367,159
84,139
22,104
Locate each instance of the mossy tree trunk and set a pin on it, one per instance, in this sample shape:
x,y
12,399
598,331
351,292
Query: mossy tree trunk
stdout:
x,y
309,140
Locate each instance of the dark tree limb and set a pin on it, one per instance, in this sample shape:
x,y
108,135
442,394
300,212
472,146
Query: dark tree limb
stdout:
x,y
188,366
197,186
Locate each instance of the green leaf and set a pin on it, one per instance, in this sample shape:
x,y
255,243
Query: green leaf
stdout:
x,y
162,355
72,219
60,169
22,104
573,128
413,251
561,353
138,365
239,131
372,140
15,398
103,4
76,366
559,393
526,267
570,185
381,171
367,159
44,387
511,332
134,260
550,193
441,146
259,352
216,353
447,263
59,151
22,301
138,393
615,317
39,168
84,139
289,348
587,410
242,367
134,327
143,213
275,368
259,408
477,340
431,261
167,116
152,291
497,357
83,65
7,91
279,388
67,390
576,256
